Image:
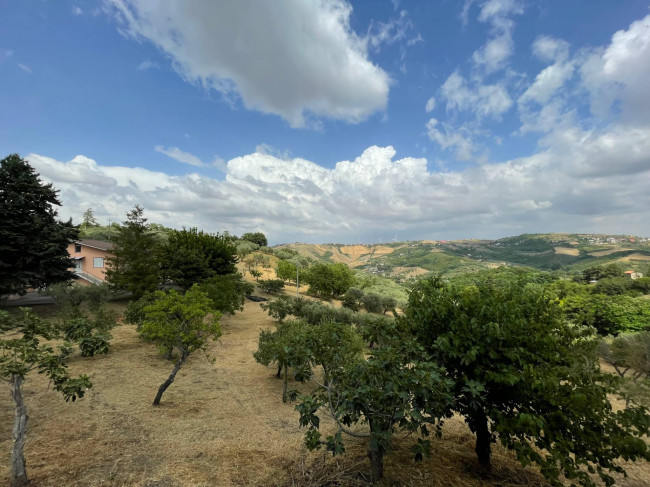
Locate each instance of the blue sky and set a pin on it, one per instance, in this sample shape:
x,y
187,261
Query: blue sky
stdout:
x,y
336,121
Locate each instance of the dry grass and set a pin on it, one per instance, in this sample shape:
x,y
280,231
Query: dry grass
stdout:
x,y
381,250
410,271
219,424
635,256
355,251
567,251
604,253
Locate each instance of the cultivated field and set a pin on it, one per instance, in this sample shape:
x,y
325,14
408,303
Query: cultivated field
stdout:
x,y
567,251
219,424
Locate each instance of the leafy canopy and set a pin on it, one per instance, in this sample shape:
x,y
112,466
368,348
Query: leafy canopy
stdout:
x,y
186,322
29,349
391,390
191,256
523,375
257,238
328,280
227,292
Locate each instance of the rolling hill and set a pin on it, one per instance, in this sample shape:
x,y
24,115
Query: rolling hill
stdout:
x,y
553,251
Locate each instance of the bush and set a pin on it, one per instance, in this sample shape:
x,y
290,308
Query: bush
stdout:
x,y
244,247
80,326
328,280
271,286
284,254
96,344
76,329
613,286
642,285
135,309
279,308
372,303
227,292
352,299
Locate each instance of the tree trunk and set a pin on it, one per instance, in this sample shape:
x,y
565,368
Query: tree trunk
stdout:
x,y
18,472
284,385
170,379
279,371
376,455
483,440
169,354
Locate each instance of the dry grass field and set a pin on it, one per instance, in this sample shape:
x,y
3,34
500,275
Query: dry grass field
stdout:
x,y
219,424
567,251
604,253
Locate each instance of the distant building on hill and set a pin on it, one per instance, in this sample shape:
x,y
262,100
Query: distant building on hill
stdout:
x,y
633,274
90,259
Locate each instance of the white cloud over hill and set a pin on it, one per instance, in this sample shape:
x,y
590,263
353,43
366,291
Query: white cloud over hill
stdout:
x,y
579,181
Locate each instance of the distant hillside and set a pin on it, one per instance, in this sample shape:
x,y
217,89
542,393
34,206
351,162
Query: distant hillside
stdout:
x,y
404,260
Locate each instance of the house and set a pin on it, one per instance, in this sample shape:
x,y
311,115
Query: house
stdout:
x,y
633,275
90,259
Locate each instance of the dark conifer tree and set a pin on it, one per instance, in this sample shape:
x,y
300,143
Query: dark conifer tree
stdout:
x,y
33,242
136,265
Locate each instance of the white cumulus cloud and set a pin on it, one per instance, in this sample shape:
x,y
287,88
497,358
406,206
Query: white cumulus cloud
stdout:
x,y
299,60
494,54
481,99
620,72
579,181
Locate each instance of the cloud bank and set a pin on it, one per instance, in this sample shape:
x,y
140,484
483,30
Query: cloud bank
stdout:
x,y
580,181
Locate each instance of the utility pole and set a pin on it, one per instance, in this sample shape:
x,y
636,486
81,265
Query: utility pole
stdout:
x,y
297,280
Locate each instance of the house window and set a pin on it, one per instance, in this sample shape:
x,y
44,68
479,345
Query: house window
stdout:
x,y
98,262
77,248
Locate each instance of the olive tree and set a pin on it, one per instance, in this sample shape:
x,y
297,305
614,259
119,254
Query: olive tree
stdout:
x,y
26,350
628,352
521,374
184,322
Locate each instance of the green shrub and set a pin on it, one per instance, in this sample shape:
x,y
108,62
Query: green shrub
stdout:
x,y
271,286
97,344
